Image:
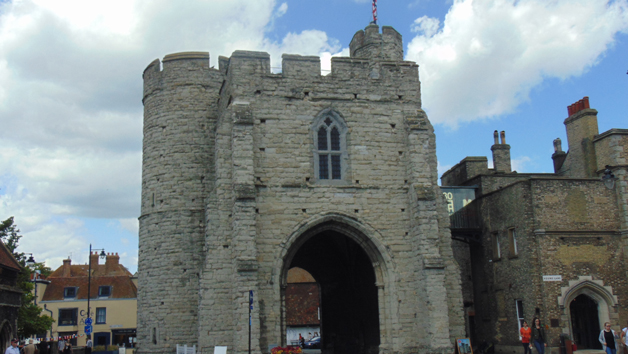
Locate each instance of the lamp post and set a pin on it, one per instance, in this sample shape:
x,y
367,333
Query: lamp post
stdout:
x,y
89,275
30,263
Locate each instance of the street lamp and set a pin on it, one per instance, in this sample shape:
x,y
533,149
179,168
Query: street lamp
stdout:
x,y
30,262
89,275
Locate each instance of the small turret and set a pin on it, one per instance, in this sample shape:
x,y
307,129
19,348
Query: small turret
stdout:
x,y
370,44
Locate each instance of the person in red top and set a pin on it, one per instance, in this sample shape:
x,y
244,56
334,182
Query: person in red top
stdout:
x,y
525,333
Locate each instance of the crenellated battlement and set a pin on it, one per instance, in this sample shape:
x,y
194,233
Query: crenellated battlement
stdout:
x,y
298,66
370,44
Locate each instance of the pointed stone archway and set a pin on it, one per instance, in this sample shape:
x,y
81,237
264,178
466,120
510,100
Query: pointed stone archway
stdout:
x,y
579,301
346,257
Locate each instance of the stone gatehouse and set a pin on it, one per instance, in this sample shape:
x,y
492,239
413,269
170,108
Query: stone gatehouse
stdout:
x,y
249,173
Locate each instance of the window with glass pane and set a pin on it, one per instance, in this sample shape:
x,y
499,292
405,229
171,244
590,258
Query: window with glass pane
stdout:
x,y
104,291
68,317
330,147
69,292
101,315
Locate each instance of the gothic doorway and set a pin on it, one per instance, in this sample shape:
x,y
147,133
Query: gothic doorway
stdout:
x,y
585,322
349,313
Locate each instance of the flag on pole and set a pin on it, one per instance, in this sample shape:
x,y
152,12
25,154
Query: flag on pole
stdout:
x,y
374,11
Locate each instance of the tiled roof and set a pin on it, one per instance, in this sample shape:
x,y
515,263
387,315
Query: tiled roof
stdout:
x,y
7,260
110,274
121,287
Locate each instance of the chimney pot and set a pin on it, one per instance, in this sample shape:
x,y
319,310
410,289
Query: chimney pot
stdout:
x,y
586,102
503,136
496,137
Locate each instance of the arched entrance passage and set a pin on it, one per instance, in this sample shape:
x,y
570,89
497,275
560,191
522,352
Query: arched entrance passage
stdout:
x,y
585,322
587,304
349,268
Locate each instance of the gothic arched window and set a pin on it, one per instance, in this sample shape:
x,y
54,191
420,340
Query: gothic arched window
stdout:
x,y
330,150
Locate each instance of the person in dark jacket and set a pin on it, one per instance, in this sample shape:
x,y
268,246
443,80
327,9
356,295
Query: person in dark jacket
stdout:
x,y
538,338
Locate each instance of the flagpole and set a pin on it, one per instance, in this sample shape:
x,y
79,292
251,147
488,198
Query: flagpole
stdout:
x,y
374,12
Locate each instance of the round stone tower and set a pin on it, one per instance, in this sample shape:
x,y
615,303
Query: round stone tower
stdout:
x,y
179,118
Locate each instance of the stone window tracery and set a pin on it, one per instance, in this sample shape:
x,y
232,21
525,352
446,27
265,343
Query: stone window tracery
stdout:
x,y
330,150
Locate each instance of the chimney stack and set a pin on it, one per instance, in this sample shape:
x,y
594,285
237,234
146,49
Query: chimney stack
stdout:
x,y
501,153
559,155
581,128
112,263
67,271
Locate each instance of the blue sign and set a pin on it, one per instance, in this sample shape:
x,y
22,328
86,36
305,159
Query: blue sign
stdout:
x,y
88,321
88,329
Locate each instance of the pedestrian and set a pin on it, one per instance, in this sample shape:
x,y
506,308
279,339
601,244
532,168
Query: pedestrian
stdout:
x,y
68,348
44,346
525,333
89,345
624,339
60,345
538,337
607,338
30,348
13,349
301,340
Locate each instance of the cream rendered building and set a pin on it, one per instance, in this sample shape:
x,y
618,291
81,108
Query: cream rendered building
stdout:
x,y
113,301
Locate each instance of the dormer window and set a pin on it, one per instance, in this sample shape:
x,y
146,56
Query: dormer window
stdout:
x,y
69,292
330,149
104,291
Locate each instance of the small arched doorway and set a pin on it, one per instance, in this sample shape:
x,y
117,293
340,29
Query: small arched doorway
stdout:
x,y
5,335
585,322
348,292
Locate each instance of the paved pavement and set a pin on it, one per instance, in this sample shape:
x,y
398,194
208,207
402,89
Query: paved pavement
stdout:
x,y
589,351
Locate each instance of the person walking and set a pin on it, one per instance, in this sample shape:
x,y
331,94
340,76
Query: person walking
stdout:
x,y
607,338
60,345
30,348
538,337
89,345
624,339
525,332
13,349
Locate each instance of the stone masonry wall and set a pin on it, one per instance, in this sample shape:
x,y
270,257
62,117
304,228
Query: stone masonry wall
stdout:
x,y
178,127
245,190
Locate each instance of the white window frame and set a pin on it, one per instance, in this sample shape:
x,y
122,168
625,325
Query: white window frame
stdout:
x,y
520,317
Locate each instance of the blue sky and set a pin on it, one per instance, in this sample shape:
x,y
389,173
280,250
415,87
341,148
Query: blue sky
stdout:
x,y
70,88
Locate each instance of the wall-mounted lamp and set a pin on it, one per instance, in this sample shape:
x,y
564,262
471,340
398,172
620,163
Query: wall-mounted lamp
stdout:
x,y
608,178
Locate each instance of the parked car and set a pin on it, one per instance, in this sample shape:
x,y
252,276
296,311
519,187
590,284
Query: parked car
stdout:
x,y
314,343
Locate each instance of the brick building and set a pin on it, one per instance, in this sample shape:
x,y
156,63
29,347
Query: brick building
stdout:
x,y
10,296
113,301
547,245
302,305
248,173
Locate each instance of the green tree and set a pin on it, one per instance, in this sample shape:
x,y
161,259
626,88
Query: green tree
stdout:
x,y
30,321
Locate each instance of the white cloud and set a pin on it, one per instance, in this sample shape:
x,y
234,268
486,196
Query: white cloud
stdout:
x,y
132,225
425,26
488,55
520,164
442,169
282,9
70,102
